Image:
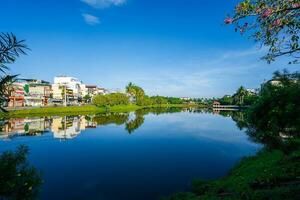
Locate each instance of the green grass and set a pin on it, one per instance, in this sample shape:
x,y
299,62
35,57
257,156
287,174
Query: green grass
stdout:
x,y
46,111
73,110
271,174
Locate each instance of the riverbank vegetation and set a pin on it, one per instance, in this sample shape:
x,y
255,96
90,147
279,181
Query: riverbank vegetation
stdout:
x,y
271,174
242,97
274,173
134,95
86,109
274,117
278,106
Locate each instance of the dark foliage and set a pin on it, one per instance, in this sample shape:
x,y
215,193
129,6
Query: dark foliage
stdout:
x,y
18,180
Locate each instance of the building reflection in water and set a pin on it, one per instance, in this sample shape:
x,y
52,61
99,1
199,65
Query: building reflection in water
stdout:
x,y
66,127
69,127
21,127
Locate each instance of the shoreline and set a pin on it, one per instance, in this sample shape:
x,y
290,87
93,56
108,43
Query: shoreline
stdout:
x,y
86,109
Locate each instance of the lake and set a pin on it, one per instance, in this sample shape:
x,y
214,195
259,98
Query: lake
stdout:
x,y
145,155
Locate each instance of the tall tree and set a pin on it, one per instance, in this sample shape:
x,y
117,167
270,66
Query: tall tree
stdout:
x,y
273,23
240,94
10,49
137,92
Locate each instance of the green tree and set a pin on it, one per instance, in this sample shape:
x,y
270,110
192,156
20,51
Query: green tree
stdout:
x,y
273,23
10,49
277,109
174,100
18,180
87,98
111,99
100,100
226,100
240,95
136,92
159,100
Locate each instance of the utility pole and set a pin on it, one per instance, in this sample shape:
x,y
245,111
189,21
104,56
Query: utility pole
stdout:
x,y
65,95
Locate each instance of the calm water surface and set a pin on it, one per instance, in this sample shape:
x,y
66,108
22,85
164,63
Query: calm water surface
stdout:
x,y
143,155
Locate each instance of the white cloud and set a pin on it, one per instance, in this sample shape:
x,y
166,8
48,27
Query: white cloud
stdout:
x,y
90,19
215,77
104,3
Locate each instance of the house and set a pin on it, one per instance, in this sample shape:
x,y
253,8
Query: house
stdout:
x,y
29,92
101,90
253,91
185,98
216,104
90,90
16,96
37,92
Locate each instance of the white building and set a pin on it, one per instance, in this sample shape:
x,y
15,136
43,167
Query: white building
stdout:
x,y
70,85
253,90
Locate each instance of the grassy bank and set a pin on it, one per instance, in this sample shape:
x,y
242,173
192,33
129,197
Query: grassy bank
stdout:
x,y
73,110
271,174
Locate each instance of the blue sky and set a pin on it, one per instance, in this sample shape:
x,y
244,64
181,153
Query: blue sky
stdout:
x,y
169,47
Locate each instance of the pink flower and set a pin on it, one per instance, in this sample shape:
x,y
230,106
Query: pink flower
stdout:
x,y
228,20
277,22
258,10
295,5
266,13
242,30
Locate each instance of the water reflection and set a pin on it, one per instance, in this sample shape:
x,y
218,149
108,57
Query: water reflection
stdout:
x,y
69,127
161,158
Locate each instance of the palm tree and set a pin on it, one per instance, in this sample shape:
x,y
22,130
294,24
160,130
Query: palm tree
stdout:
x,y
130,89
10,49
240,95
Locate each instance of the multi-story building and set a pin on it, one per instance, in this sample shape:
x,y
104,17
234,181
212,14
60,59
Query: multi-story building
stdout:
x,y
92,90
29,92
16,95
67,88
37,92
101,90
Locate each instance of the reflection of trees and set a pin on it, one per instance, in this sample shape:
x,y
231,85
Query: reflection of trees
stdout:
x,y
18,180
271,138
158,110
111,118
240,118
139,119
123,118
134,124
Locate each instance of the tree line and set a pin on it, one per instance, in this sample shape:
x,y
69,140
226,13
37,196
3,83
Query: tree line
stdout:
x,y
134,95
242,97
